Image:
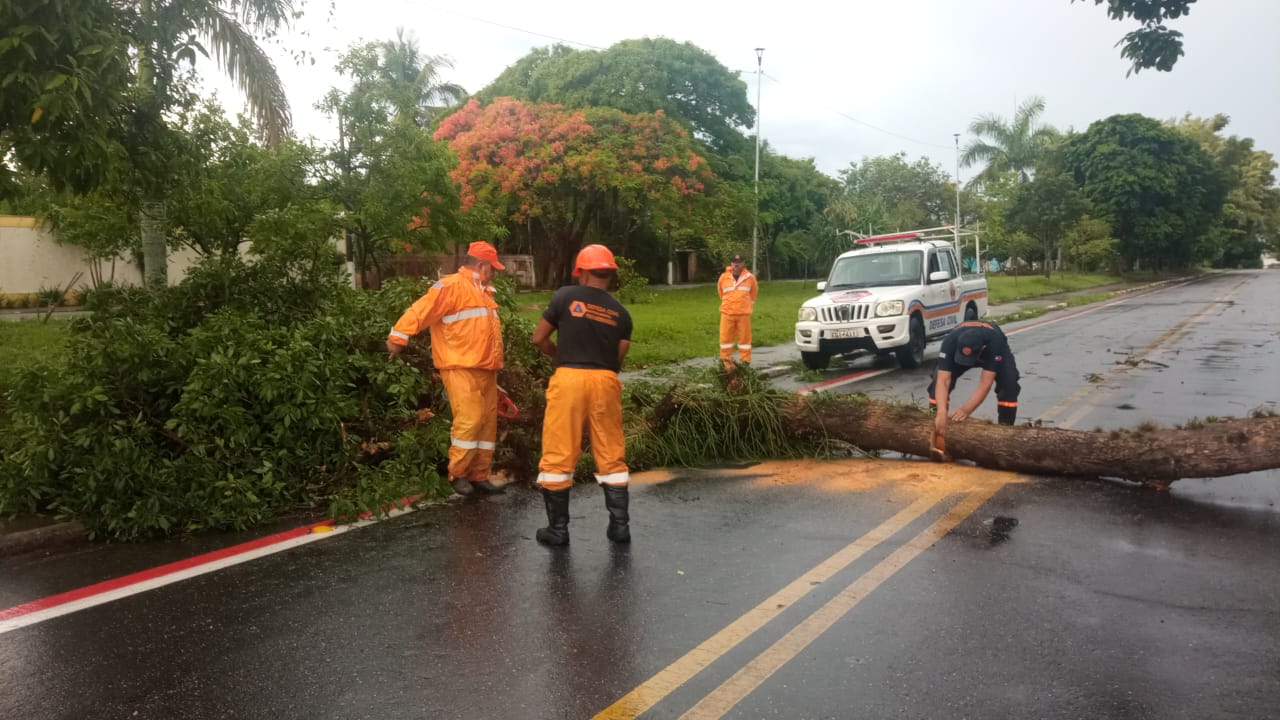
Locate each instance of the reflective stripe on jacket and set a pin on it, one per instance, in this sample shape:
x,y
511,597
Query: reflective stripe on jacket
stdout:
x,y
737,297
463,320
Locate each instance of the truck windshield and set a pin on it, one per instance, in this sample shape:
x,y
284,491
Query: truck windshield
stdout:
x,y
879,269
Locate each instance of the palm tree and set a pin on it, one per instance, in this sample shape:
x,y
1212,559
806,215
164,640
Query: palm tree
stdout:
x,y
169,34
1016,146
414,80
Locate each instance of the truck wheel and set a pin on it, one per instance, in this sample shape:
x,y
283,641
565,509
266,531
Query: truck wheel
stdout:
x,y
911,355
815,360
970,312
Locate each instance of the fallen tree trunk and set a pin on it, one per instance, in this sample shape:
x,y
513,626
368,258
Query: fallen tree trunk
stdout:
x,y
1147,454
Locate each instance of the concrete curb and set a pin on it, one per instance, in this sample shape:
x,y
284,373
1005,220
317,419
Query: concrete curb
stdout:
x,y
14,543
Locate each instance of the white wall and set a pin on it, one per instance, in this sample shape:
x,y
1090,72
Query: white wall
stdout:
x,y
30,259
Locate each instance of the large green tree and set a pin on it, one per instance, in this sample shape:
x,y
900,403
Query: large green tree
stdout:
x,y
1159,189
570,175
1045,209
644,75
1153,45
1250,218
793,223
888,193
227,180
1009,146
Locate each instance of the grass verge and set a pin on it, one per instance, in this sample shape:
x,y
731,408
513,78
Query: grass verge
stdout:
x,y
23,342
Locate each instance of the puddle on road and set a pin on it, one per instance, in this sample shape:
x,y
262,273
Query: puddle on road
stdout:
x,y
842,476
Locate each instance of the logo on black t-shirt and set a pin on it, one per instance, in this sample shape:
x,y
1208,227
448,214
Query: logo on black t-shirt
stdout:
x,y
577,308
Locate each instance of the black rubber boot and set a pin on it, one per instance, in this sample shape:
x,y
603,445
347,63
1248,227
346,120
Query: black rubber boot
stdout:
x,y
487,487
1006,415
557,530
616,499
462,486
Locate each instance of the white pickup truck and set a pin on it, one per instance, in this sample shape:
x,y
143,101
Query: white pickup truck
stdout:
x,y
891,296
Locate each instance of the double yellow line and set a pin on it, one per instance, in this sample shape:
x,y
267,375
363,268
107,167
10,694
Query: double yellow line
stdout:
x,y
733,690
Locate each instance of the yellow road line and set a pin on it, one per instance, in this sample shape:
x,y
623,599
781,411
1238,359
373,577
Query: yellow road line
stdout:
x,y
653,690
723,698
1173,333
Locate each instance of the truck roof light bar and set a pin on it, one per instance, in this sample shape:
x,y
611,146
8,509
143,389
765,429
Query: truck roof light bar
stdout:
x,y
901,236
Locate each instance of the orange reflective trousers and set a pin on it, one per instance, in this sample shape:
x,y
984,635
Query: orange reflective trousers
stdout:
x,y
735,329
578,398
473,396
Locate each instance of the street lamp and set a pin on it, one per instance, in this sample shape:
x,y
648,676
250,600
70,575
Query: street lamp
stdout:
x,y
957,225
755,224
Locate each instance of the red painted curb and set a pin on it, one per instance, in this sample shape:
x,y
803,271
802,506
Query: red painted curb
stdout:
x,y
168,569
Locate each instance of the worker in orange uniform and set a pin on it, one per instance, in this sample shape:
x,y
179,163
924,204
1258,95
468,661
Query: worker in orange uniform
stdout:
x,y
738,290
466,349
593,331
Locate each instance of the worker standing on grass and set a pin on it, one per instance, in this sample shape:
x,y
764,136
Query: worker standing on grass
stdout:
x,y
971,344
466,349
738,290
593,334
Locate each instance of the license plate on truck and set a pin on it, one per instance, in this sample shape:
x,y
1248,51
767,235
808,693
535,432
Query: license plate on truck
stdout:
x,y
839,333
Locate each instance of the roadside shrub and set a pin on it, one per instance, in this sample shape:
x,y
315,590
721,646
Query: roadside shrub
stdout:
x,y
213,404
633,287
47,296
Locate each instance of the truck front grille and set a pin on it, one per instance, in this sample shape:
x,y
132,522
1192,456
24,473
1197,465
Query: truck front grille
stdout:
x,y
844,313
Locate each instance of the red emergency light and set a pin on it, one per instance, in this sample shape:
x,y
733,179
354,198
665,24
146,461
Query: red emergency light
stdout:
x,y
887,238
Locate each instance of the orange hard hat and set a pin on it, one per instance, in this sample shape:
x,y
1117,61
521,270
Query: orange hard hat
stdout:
x,y
594,257
482,250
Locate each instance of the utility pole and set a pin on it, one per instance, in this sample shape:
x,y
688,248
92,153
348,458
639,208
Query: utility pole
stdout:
x,y
755,225
957,225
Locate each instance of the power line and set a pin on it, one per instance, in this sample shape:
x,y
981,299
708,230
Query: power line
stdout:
x,y
848,117
501,25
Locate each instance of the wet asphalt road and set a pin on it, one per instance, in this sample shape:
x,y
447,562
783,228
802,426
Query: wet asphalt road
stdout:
x,y
810,590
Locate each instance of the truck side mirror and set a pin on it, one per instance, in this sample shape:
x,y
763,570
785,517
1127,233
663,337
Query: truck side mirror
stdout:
x,y
939,276
822,285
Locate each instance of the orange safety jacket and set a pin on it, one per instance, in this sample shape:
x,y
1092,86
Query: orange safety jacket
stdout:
x,y
463,319
737,297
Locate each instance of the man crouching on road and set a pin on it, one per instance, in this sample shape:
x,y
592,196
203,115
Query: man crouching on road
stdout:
x,y
594,334
973,343
466,349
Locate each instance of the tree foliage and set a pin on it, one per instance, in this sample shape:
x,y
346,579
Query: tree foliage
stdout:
x,y
560,171
246,390
65,76
1250,218
1158,188
637,76
793,223
1154,45
385,172
227,181
888,193
1045,209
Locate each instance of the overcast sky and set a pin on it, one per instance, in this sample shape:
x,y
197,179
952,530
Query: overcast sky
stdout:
x,y
916,70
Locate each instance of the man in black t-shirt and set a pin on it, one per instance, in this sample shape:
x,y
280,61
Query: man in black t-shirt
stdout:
x,y
972,344
593,334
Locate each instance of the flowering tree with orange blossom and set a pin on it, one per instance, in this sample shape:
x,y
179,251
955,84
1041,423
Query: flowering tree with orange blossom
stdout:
x,y
575,176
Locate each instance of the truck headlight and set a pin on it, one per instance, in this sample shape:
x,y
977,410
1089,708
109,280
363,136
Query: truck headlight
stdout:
x,y
808,314
889,308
